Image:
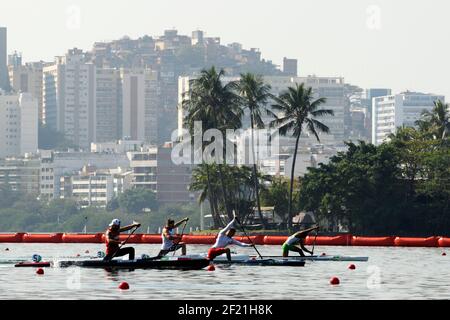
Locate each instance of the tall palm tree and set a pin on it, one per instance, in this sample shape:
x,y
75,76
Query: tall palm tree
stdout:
x,y
216,106
255,95
437,120
298,110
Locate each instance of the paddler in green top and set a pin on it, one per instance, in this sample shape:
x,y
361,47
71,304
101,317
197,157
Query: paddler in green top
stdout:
x,y
298,238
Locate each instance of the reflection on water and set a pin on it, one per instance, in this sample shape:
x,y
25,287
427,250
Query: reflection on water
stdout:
x,y
391,273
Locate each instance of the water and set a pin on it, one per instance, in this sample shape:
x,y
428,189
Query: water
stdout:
x,y
390,273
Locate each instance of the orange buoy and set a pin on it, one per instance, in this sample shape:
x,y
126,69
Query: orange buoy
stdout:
x,y
334,281
124,286
40,271
352,267
211,267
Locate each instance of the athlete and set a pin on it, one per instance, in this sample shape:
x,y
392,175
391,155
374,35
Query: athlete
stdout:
x,y
224,239
113,243
296,240
170,241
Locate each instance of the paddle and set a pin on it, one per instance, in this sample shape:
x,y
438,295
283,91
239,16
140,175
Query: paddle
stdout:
x,y
314,243
181,237
245,233
123,243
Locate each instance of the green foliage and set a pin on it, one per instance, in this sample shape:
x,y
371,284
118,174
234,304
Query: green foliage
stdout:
x,y
398,188
239,183
277,195
136,200
298,111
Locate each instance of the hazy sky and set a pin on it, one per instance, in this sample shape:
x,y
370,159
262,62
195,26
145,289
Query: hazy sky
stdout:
x,y
402,44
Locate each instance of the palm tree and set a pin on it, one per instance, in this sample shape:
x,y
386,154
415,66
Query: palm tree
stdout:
x,y
216,106
437,120
254,97
298,109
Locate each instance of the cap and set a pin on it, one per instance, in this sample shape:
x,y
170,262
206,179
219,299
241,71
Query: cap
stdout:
x,y
115,222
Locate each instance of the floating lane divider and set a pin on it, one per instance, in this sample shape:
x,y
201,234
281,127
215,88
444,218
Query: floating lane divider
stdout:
x,y
82,238
373,241
11,237
339,240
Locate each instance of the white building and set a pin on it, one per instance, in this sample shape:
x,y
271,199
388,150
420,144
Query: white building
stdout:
x,y
18,125
69,103
119,146
29,123
140,99
108,125
28,78
55,165
96,188
331,88
393,111
144,165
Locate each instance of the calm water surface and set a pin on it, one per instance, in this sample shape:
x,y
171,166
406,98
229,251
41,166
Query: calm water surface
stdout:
x,y
390,273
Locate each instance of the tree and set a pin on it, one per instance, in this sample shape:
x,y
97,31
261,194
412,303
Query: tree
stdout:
x,y
277,195
436,121
216,106
138,199
254,97
298,109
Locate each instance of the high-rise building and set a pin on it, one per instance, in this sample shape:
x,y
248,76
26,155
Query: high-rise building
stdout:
x,y
3,56
29,119
15,59
27,78
140,102
331,88
69,103
377,92
21,174
290,67
197,37
18,125
133,104
108,124
393,111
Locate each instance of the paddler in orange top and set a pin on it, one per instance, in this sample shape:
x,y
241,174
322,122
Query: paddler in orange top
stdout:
x,y
113,243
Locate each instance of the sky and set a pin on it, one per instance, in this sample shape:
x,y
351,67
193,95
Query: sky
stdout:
x,y
399,44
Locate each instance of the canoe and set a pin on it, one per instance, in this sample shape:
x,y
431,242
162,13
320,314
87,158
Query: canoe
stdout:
x,y
151,263
241,258
254,261
33,264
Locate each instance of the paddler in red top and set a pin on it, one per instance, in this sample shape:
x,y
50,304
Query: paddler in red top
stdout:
x,y
113,243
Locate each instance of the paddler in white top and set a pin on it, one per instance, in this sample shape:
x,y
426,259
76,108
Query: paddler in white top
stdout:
x,y
171,242
224,239
297,238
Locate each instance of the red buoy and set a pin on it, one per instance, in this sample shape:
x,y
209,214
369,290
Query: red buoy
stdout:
x,y
78,254
352,267
323,254
7,249
444,254
334,281
124,286
40,271
211,267
87,251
